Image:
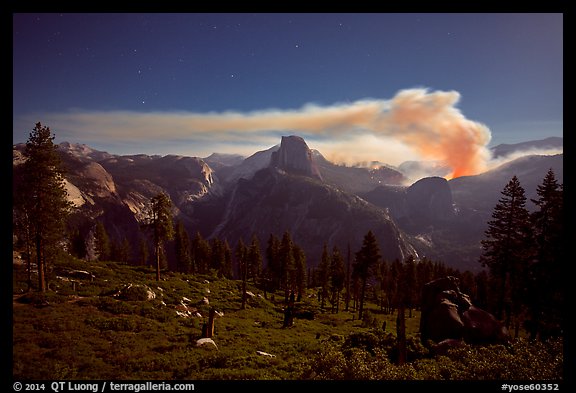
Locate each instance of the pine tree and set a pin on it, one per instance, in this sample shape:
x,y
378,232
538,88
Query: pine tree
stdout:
x,y
323,275
423,275
545,296
42,199
300,271
242,263
348,278
254,259
183,249
120,251
408,284
102,242
287,268
273,268
221,258
507,247
337,278
144,252
383,272
159,222
367,258
226,268
201,254
393,284
77,243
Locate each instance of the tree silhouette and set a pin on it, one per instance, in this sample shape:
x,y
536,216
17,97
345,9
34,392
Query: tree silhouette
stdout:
x,y
366,259
300,271
408,284
337,278
323,275
242,263
254,259
287,268
41,199
201,254
159,222
545,298
120,251
102,242
182,248
507,247
273,268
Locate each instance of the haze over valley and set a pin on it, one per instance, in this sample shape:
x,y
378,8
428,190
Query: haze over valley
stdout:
x,y
290,187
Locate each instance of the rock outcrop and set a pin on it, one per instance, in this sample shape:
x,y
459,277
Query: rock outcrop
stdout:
x,y
294,156
315,213
428,202
448,314
430,198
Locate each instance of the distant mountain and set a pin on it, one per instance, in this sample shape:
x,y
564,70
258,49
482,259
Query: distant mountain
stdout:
x,y
294,156
218,160
347,178
291,187
117,189
248,167
425,203
290,196
269,192
553,142
476,196
447,219
356,180
481,192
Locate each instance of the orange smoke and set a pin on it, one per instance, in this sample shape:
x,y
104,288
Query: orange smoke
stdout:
x,y
431,124
427,122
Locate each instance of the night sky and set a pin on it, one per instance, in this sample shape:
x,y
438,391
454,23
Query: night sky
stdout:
x,y
100,78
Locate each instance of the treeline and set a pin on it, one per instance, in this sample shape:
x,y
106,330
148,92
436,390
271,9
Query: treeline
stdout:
x,y
524,252
42,218
522,255
340,281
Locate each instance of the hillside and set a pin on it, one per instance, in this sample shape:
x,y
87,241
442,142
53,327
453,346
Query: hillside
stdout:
x,y
551,143
291,187
115,322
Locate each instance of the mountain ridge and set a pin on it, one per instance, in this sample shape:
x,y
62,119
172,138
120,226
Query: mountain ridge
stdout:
x,y
429,217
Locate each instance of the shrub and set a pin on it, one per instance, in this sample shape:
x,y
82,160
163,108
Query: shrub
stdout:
x,y
363,356
114,306
367,341
369,320
118,324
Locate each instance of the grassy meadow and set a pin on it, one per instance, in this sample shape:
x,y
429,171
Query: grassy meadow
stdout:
x,y
95,328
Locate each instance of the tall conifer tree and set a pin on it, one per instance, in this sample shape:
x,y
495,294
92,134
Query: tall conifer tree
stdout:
x,y
42,199
159,222
367,258
545,307
507,247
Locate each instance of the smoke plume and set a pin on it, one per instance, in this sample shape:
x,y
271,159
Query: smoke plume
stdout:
x,y
427,123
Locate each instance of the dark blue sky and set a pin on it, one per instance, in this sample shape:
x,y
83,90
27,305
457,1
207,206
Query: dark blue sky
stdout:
x,y
507,68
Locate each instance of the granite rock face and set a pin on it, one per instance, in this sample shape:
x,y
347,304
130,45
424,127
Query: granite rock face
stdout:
x,y
275,201
448,314
294,156
431,198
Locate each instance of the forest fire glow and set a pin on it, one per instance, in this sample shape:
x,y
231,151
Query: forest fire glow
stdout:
x,y
428,123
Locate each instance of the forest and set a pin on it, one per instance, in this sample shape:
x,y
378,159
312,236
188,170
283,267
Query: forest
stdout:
x,y
353,300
